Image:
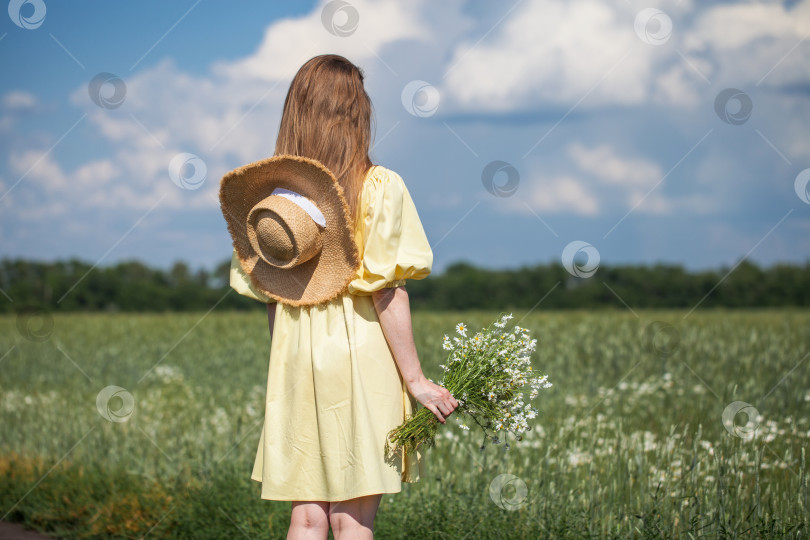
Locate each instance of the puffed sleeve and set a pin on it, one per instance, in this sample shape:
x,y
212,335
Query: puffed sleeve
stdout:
x,y
391,238
240,282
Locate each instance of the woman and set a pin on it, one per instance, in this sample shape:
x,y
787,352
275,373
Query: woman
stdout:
x,y
342,372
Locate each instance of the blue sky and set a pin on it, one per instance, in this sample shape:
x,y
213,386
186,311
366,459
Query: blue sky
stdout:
x,y
610,117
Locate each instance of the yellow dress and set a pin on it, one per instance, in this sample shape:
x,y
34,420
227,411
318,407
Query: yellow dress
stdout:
x,y
334,390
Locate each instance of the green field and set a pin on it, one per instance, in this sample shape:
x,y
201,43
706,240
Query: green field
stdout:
x,y
630,441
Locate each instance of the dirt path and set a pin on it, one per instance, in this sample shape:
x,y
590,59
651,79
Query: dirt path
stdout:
x,y
15,531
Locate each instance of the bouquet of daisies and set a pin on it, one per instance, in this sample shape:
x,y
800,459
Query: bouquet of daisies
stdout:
x,y
487,374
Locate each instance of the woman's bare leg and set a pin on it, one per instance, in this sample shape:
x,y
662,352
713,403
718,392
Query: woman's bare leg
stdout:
x,y
354,518
309,521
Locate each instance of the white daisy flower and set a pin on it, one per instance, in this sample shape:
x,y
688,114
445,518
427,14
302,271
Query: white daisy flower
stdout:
x,y
461,328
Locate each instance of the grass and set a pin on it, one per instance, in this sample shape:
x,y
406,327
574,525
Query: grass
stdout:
x,y
630,441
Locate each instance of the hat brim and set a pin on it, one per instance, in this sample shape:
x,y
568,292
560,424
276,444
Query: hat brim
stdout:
x,y
325,276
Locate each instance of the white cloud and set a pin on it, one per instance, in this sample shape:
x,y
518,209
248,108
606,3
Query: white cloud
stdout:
x,y
40,167
603,162
168,108
15,104
98,184
18,99
552,52
37,165
287,44
567,53
166,112
90,174
731,26
560,194
682,83
602,182
753,42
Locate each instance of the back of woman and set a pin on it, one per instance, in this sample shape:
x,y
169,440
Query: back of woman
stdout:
x,y
343,369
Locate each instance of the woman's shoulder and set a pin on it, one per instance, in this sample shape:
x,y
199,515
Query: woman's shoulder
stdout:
x,y
379,176
381,173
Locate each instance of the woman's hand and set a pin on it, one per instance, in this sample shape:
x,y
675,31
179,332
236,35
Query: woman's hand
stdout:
x,y
437,399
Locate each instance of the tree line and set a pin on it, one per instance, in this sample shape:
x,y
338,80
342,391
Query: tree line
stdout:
x,y
75,285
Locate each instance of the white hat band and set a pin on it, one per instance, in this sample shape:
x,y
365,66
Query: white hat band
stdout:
x,y
305,204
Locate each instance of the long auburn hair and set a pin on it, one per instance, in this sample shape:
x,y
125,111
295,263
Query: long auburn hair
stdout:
x,y
327,116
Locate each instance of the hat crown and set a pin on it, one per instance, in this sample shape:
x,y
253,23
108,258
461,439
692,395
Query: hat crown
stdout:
x,y
273,237
282,233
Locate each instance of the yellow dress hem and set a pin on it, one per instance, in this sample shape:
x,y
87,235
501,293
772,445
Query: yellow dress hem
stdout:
x,y
344,498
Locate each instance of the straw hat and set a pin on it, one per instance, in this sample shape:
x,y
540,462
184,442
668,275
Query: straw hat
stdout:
x,y
290,227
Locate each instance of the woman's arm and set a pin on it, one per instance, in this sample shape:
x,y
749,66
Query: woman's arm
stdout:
x,y
394,312
271,317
